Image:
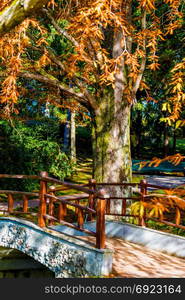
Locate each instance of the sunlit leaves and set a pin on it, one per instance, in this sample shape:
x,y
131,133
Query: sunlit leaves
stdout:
x,y
177,216
158,205
148,4
138,208
13,46
177,93
155,162
89,55
4,3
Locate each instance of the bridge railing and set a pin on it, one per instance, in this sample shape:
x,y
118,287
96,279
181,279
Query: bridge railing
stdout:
x,y
18,201
90,202
11,201
52,209
174,216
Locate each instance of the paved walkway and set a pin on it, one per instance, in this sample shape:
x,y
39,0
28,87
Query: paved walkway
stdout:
x,y
19,203
167,181
135,261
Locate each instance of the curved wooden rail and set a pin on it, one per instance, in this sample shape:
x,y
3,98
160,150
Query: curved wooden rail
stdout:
x,y
94,208
11,201
19,193
20,176
67,184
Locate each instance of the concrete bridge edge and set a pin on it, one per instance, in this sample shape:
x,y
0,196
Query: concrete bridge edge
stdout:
x,y
67,257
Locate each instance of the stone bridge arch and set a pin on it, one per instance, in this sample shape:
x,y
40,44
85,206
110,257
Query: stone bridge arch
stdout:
x,y
65,256
16,264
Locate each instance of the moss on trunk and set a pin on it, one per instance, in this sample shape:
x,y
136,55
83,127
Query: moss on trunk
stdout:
x,y
111,145
17,11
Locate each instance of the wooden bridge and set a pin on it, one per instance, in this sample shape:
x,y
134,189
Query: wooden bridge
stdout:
x,y
37,215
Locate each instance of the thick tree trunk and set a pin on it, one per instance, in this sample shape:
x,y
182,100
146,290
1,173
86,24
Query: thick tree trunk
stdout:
x,y
112,153
17,11
111,147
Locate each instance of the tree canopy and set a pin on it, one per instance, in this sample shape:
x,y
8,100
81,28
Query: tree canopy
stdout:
x,y
98,55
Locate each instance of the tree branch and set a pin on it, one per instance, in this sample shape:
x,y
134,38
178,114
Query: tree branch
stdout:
x,y
17,11
56,83
79,82
50,51
143,62
59,29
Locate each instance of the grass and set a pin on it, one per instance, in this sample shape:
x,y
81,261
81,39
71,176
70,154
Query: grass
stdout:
x,y
180,144
83,172
162,227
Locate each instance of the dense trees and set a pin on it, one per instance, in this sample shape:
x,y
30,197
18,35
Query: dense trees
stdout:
x,y
157,122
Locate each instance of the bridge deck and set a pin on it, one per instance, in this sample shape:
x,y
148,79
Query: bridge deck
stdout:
x,y
136,261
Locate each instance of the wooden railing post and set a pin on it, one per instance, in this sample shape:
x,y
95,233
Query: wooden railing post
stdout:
x,y
92,186
42,198
10,203
100,219
143,187
51,204
76,208
25,204
80,220
61,211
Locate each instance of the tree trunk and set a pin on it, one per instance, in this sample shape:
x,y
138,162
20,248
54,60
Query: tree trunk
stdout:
x,y
174,141
166,140
17,11
111,147
73,137
66,145
139,134
112,155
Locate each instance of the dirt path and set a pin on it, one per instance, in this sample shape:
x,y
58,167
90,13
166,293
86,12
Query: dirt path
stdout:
x,y
167,181
135,261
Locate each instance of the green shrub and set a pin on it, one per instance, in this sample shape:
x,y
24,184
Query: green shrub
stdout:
x,y
30,149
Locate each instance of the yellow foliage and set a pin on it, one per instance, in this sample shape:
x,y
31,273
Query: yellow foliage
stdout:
x,y
138,208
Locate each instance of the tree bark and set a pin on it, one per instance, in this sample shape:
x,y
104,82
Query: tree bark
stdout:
x,y
66,144
73,137
112,155
166,140
138,134
111,147
17,11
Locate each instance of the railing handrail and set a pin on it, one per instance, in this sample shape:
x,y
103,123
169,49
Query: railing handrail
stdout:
x,y
20,176
118,183
138,184
19,193
68,184
49,179
82,187
70,203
